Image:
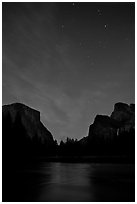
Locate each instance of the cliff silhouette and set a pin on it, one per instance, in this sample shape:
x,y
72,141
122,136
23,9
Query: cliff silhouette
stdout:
x,y
24,136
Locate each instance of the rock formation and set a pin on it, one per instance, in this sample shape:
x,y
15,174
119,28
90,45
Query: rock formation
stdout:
x,y
124,114
115,133
22,130
29,119
104,128
122,119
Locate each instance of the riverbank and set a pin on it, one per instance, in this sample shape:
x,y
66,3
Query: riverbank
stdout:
x,y
87,159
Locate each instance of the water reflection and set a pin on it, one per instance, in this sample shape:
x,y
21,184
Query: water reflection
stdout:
x,y
83,182
69,182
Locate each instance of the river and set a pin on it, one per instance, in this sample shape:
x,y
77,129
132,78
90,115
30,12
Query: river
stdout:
x,y
77,182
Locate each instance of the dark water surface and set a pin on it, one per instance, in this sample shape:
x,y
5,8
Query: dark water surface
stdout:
x,y
79,182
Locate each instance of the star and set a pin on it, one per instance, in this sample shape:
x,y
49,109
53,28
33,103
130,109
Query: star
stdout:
x,y
99,12
105,26
73,4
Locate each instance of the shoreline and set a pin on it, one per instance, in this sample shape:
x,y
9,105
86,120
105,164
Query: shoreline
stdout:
x,y
87,159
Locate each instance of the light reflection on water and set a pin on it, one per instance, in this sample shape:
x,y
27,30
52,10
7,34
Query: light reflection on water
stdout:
x,y
86,182
81,182
68,182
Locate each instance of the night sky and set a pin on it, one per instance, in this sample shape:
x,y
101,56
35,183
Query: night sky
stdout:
x,y
70,61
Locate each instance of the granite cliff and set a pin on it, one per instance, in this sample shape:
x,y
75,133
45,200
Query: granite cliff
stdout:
x,y
124,115
22,131
115,133
121,120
